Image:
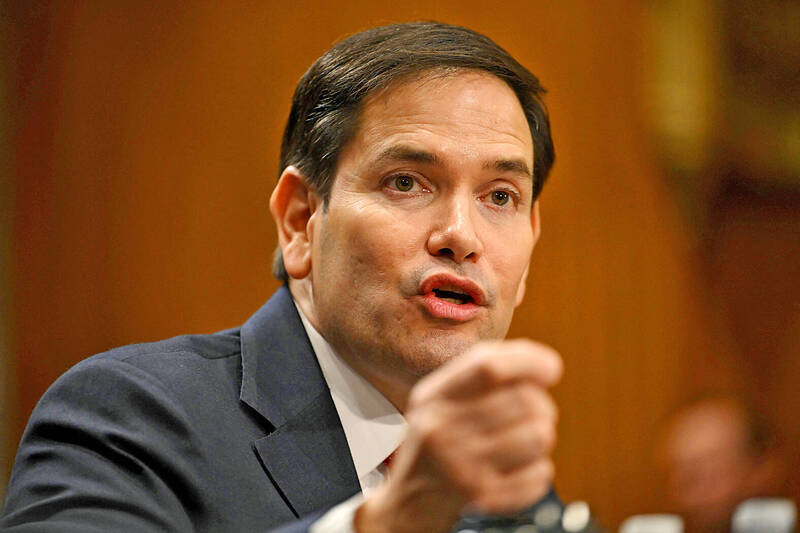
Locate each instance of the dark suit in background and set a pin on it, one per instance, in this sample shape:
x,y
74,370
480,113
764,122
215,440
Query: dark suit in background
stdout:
x,y
234,431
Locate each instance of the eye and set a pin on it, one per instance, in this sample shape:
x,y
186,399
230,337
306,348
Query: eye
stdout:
x,y
403,183
500,197
406,183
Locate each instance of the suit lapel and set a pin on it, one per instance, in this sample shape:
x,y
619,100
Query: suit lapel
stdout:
x,y
306,456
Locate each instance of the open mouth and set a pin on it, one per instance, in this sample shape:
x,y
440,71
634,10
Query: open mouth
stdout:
x,y
453,296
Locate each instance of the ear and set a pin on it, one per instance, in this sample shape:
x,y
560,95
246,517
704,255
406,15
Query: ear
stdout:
x,y
293,203
537,229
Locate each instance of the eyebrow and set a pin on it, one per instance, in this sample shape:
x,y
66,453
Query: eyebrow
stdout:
x,y
516,166
406,153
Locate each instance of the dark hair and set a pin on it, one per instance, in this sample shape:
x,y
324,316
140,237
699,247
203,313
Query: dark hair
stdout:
x,y
328,98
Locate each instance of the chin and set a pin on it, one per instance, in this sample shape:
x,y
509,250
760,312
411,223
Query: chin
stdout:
x,y
434,351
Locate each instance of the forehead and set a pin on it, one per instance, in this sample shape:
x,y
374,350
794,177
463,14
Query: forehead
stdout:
x,y
462,110
708,428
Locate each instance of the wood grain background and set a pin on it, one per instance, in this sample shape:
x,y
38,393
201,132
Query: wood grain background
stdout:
x,y
145,145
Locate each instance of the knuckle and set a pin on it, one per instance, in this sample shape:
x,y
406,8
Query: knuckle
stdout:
x,y
551,360
487,372
554,412
556,361
547,438
546,406
546,470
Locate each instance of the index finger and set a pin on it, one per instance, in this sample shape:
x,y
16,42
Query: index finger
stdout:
x,y
489,365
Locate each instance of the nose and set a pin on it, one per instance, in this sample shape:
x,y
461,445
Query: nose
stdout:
x,y
453,234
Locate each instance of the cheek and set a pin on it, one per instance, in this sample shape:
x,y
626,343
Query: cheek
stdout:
x,y
509,260
373,247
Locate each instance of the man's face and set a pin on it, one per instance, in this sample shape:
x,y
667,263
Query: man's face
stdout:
x,y
424,245
708,465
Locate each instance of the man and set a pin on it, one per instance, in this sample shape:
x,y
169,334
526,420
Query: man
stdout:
x,y
406,212
716,452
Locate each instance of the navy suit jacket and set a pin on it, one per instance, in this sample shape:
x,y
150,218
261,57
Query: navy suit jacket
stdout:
x,y
230,432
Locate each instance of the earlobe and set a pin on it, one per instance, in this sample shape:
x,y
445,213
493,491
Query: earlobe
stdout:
x,y
293,204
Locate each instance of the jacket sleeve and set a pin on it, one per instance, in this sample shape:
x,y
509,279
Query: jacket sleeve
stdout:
x,y
104,450
110,448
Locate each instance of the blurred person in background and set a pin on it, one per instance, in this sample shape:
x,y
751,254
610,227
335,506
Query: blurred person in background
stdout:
x,y
715,453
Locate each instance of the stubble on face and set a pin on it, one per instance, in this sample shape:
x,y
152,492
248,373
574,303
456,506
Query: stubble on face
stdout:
x,y
371,251
389,337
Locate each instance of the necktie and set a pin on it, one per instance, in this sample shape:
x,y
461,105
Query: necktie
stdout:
x,y
388,461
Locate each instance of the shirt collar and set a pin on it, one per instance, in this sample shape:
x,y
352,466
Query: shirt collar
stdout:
x,y
374,428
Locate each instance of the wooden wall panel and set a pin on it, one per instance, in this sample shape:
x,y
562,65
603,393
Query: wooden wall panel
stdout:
x,y
147,146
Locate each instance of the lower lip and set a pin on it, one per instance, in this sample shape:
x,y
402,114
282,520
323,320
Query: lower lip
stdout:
x,y
443,309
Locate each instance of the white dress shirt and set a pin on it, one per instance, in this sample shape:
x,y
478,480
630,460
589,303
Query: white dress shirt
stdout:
x,y
373,427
